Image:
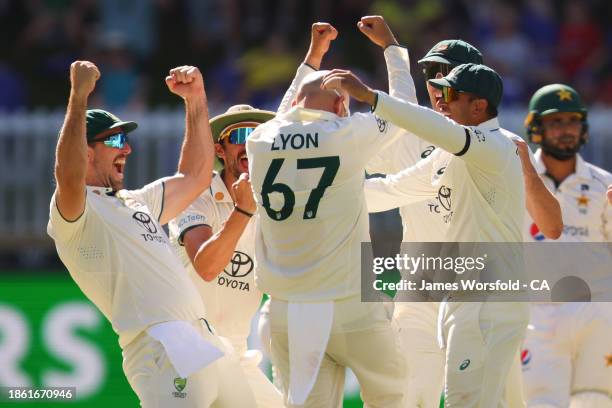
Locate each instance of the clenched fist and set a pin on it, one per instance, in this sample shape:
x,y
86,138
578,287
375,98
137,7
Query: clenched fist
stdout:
x,y
377,30
186,82
83,77
321,36
243,194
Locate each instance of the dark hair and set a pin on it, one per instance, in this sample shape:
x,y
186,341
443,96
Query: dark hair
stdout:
x,y
491,110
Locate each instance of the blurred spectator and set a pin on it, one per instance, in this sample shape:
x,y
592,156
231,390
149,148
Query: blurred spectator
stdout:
x,y
121,87
12,89
243,45
508,52
134,19
580,39
267,71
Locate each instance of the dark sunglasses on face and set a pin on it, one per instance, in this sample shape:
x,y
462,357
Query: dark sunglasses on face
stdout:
x,y
237,135
117,141
431,69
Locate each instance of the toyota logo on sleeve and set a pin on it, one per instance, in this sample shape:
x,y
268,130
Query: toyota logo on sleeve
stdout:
x,y
144,220
240,265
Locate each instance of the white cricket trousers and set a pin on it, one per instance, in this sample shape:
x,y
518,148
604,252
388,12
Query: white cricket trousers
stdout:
x,y
362,338
158,385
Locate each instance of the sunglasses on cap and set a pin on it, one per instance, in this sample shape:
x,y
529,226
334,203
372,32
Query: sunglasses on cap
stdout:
x,y
117,140
431,70
238,133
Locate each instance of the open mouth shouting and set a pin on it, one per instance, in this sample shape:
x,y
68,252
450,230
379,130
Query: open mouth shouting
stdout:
x,y
119,167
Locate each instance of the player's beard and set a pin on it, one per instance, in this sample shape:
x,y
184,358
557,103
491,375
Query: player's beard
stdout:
x,y
562,154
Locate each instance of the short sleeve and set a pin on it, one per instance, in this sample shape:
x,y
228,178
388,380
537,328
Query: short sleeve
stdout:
x,y
61,229
199,213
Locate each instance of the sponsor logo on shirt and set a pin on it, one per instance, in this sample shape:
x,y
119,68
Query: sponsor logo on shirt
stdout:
x,y
382,124
428,150
240,266
535,233
575,231
144,221
525,357
443,203
191,218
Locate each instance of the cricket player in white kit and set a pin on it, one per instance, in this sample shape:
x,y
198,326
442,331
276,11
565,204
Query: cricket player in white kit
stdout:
x,y
112,243
307,171
417,321
479,188
567,354
215,238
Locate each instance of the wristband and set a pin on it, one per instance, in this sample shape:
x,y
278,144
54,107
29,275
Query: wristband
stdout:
x,y
241,211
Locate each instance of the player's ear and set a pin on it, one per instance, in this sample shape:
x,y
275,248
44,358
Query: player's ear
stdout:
x,y
219,150
479,106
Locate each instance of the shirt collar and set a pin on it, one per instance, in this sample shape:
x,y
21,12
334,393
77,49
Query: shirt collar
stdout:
x,y
305,114
489,125
108,191
581,171
218,191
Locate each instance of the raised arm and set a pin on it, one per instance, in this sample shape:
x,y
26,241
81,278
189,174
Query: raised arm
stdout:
x,y
197,153
321,36
401,84
487,153
210,253
71,152
541,204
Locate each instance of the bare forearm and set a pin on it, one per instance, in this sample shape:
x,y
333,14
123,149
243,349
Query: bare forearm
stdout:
x,y
314,59
71,153
542,206
197,151
216,253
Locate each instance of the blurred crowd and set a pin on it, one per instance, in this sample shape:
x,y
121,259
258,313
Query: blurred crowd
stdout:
x,y
248,49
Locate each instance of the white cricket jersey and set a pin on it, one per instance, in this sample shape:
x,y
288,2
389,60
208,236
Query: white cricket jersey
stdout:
x,y
307,171
232,298
121,258
477,193
587,215
310,250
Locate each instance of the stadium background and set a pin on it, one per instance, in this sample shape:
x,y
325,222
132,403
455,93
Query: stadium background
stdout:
x,y
248,51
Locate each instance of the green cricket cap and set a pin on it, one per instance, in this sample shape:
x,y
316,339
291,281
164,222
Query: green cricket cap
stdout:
x,y
453,52
99,120
477,79
556,98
